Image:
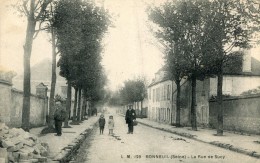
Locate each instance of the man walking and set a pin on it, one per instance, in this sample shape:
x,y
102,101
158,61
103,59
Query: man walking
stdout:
x,y
59,117
130,116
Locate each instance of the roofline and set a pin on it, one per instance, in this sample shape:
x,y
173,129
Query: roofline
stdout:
x,y
244,74
153,84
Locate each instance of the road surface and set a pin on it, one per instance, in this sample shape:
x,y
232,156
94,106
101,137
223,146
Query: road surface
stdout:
x,y
148,145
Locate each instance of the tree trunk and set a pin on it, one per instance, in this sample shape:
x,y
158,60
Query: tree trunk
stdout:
x,y
83,108
68,105
193,103
172,104
53,81
220,101
178,102
75,105
27,67
142,107
79,106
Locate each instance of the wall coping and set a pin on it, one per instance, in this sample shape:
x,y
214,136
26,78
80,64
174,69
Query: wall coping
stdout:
x,y
21,92
237,98
5,82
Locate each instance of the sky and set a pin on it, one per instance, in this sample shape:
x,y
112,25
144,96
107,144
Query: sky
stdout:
x,y
129,49
128,52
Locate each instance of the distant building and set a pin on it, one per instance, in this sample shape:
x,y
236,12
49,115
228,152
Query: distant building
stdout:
x,y
239,79
160,98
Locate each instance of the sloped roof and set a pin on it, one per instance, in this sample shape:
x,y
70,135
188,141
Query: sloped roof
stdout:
x,y
229,69
238,69
165,78
162,79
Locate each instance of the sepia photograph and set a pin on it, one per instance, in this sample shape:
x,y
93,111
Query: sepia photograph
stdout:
x,y
129,81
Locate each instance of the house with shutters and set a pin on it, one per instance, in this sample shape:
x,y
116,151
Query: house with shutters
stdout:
x,y
162,92
160,98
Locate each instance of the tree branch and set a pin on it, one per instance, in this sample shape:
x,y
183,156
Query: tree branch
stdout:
x,y
36,6
43,7
25,2
37,31
58,52
229,49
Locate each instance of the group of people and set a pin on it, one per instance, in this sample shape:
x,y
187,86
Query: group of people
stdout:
x,y
60,115
130,118
102,123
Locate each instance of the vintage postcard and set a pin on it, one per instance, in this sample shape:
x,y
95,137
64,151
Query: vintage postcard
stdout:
x,y
123,81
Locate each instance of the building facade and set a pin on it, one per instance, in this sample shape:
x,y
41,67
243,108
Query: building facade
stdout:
x,y
162,93
160,99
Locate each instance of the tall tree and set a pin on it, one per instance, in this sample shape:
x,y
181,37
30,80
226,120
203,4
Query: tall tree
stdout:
x,y
49,19
133,91
75,107
68,106
35,13
206,32
226,29
80,28
181,25
169,36
68,25
250,9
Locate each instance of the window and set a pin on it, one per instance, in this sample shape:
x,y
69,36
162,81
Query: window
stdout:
x,y
157,94
168,92
165,92
149,94
153,95
161,93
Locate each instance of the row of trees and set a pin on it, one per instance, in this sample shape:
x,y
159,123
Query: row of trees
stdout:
x,y
199,37
132,91
80,27
76,29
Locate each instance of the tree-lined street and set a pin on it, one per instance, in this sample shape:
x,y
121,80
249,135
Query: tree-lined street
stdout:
x,y
200,41
147,144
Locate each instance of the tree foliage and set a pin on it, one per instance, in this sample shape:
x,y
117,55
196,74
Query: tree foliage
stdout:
x,y
200,36
133,91
80,28
35,12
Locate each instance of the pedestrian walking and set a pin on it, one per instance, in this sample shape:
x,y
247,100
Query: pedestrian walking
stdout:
x,y
111,125
102,122
130,117
59,117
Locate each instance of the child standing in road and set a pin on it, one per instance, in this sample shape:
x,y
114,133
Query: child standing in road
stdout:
x,y
102,122
111,125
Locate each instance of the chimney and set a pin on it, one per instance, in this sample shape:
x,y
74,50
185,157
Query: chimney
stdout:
x,y
246,60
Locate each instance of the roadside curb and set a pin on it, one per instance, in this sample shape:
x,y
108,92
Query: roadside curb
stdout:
x,y
215,143
67,152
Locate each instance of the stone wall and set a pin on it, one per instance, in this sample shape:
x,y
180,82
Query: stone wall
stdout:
x,y
240,114
5,101
11,102
38,110
202,97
